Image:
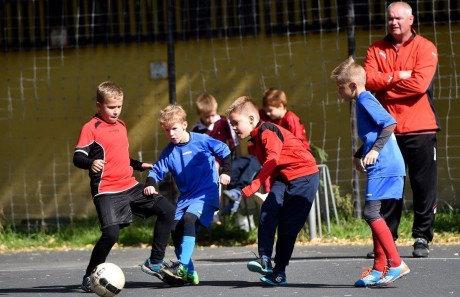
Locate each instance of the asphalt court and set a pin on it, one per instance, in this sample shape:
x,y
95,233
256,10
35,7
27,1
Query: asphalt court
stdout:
x,y
314,271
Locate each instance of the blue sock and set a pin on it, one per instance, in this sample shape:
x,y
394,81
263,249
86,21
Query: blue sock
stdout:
x,y
187,246
191,267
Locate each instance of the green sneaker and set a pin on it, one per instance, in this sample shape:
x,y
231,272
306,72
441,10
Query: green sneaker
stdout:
x,y
192,278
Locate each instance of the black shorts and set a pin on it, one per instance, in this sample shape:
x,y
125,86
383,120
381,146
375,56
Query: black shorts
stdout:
x,y
118,208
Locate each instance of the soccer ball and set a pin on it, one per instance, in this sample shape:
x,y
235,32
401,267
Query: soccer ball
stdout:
x,y
107,279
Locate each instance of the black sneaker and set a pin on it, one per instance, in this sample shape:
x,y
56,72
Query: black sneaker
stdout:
x,y
370,255
421,249
174,274
275,279
261,265
86,284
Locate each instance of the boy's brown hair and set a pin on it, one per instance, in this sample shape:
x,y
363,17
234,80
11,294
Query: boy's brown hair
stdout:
x,y
172,114
243,105
274,97
206,103
349,71
108,89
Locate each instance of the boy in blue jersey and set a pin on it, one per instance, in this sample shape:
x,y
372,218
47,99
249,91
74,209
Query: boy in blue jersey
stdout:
x,y
190,158
381,159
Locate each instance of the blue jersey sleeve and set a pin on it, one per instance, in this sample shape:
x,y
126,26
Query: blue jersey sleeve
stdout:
x,y
161,168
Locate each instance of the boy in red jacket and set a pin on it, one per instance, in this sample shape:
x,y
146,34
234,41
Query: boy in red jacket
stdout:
x,y
294,181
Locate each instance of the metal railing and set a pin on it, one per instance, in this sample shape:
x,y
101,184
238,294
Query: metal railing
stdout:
x,y
325,192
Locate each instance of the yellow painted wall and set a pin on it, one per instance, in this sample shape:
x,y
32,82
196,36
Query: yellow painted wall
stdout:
x,y
46,96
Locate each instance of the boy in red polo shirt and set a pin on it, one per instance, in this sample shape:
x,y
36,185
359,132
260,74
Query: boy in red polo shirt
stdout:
x,y
294,180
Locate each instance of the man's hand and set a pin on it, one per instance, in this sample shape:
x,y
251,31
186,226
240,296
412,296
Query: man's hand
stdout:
x,y
405,74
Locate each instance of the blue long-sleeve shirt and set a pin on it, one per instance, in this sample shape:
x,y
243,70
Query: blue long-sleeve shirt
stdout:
x,y
193,168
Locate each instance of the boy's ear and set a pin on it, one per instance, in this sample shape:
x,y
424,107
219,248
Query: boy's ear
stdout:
x,y
251,119
184,125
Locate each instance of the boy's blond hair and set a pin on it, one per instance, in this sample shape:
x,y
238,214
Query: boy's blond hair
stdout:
x,y
349,71
244,105
171,115
274,97
108,89
206,103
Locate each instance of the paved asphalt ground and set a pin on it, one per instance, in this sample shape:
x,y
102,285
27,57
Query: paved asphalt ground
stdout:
x,y
314,271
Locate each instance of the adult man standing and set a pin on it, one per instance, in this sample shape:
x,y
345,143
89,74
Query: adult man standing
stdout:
x,y
400,70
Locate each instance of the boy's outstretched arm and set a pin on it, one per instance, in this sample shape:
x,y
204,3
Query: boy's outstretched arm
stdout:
x,y
224,178
139,166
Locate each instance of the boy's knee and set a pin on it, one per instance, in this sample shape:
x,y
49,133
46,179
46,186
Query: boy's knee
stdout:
x,y
370,215
189,219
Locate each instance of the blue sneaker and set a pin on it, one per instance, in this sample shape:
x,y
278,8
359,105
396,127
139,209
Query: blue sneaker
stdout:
x,y
369,278
262,265
393,274
86,284
275,279
153,269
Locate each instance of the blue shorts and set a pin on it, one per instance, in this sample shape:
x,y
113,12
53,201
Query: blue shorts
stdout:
x,y
385,188
204,212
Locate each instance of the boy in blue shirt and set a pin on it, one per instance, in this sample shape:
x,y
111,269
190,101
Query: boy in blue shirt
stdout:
x,y
381,159
190,158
